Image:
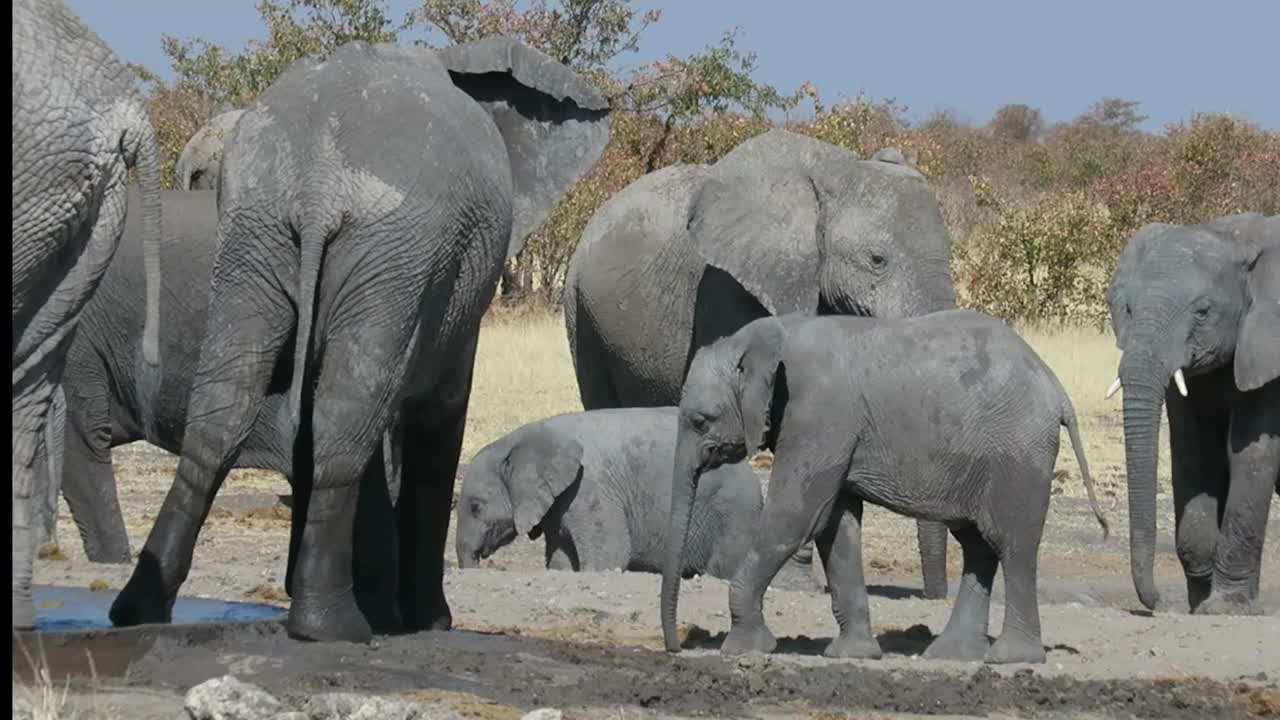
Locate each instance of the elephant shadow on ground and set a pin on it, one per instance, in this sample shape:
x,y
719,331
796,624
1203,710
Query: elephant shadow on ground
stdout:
x,y
893,641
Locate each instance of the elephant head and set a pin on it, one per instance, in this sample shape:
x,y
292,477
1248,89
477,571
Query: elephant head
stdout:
x,y
201,158
1186,301
806,226
509,489
726,410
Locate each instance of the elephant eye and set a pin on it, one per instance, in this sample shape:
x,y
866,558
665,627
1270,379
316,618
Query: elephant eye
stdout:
x,y
878,260
1202,312
698,422
476,507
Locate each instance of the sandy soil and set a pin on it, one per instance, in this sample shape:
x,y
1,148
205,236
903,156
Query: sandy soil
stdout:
x,y
590,642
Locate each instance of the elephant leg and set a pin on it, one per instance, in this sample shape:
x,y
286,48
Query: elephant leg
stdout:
x,y
48,467
251,320
375,562
89,481
1254,466
433,432
965,636
932,537
1200,470
840,547
364,370
799,502
30,407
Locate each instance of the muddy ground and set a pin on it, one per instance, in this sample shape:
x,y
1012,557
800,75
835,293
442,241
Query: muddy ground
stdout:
x,y
589,643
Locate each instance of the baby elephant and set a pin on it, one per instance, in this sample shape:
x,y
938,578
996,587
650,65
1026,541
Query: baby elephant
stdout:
x,y
597,486
949,417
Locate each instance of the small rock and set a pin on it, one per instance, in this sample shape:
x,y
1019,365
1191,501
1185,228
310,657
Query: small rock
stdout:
x,y
543,714
227,698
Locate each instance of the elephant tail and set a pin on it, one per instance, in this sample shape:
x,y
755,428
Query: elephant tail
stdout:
x,y
147,166
1073,432
312,237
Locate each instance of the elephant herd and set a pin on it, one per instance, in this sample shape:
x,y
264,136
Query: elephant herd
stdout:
x,y
309,301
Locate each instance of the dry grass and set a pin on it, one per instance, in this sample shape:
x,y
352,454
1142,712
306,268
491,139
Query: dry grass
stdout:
x,y
523,373
43,699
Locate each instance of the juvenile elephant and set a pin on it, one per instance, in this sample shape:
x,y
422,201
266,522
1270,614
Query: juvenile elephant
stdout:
x,y
1196,313
201,158
597,486
783,223
949,416
79,127
377,192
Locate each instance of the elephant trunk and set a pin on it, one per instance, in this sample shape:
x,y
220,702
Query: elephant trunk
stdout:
x,y
684,481
148,169
468,553
1144,380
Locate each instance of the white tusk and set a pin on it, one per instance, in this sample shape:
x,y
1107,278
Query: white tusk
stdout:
x,y
1114,388
1180,381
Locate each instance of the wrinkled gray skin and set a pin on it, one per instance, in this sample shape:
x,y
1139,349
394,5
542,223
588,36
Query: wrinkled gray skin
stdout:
x,y
201,158
1204,300
79,126
596,486
783,223
378,192
949,417
48,470
109,402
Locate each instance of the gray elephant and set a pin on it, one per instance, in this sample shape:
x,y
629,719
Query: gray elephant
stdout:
x,y
1196,314
201,158
783,223
366,205
79,127
950,416
597,486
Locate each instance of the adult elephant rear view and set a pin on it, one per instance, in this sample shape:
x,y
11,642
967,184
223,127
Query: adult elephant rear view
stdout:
x,y
783,223
378,192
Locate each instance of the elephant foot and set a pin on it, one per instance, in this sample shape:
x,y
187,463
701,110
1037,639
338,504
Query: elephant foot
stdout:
x,y
854,646
1018,649
142,601
333,618
746,639
1228,603
958,646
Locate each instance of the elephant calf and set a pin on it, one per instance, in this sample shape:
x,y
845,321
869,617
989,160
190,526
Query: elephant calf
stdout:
x,y
948,417
597,486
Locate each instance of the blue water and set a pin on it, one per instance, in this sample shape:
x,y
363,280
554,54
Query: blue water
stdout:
x,y
63,609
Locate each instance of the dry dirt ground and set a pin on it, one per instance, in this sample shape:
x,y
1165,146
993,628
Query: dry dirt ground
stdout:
x,y
589,643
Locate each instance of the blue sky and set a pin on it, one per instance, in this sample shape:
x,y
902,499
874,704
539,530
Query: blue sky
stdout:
x,y
1176,56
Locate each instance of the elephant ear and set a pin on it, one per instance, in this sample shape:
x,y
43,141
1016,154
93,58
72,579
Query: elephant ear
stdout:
x,y
759,354
537,470
762,230
1257,360
553,122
